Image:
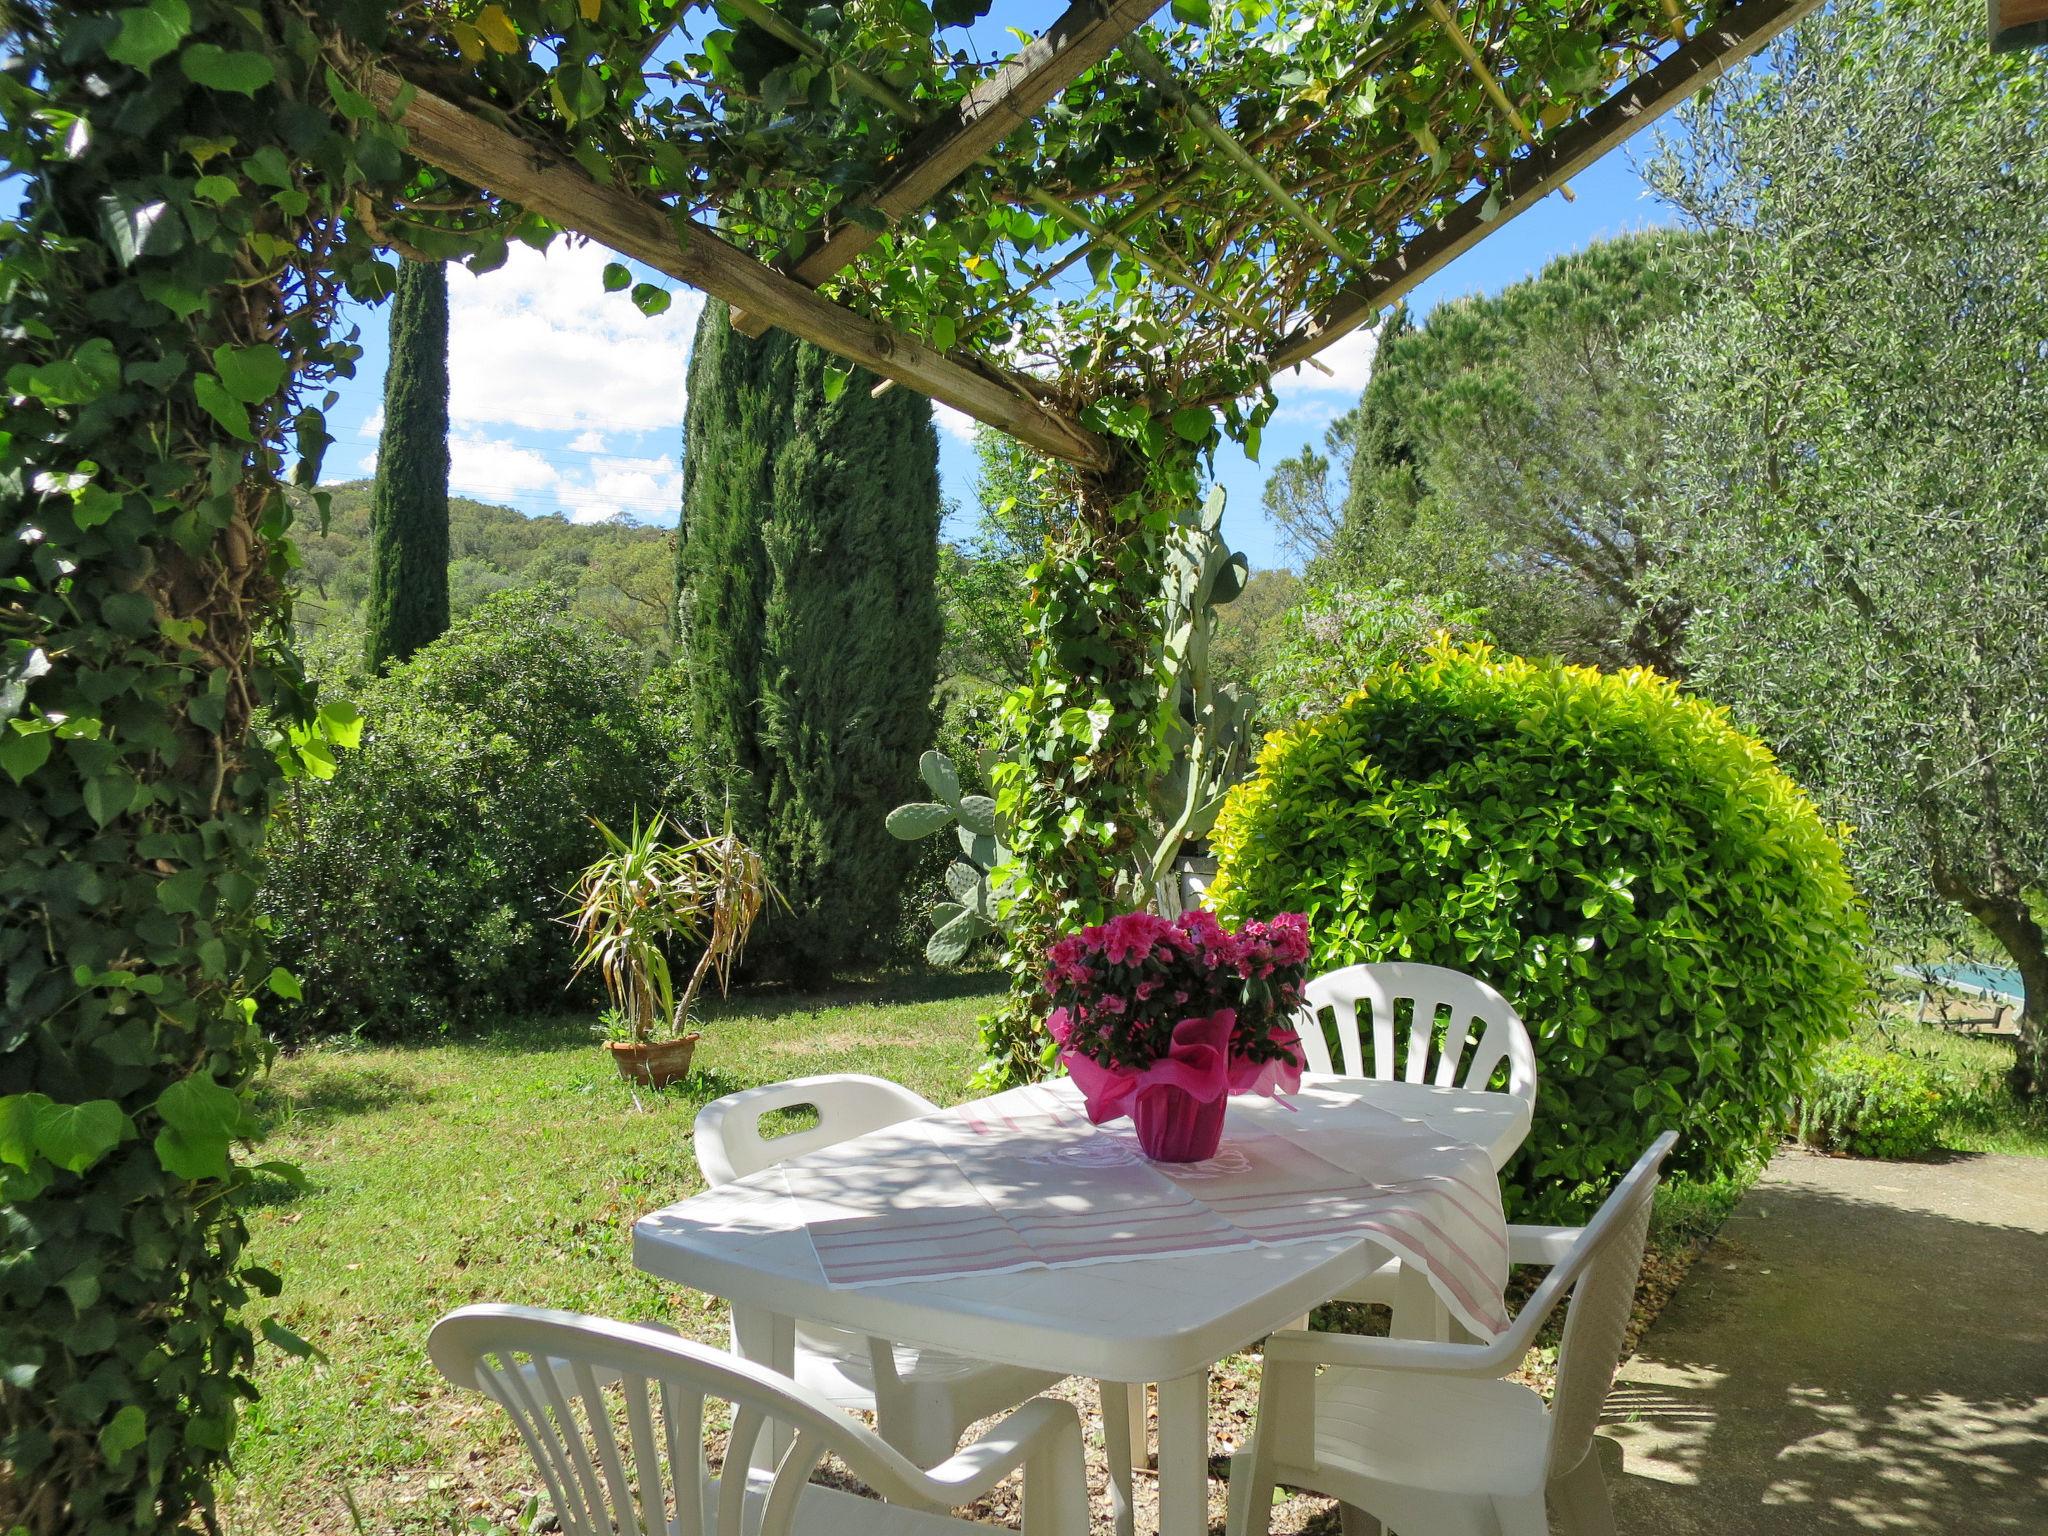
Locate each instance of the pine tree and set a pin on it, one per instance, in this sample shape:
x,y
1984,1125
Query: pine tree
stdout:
x,y
808,616
409,514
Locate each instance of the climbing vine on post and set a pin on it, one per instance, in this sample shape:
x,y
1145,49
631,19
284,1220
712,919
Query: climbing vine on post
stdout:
x,y
168,290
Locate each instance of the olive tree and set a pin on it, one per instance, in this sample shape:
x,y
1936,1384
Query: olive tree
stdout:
x,y
1856,506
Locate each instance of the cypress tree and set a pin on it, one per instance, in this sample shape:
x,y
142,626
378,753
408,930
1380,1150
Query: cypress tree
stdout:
x,y
409,511
808,614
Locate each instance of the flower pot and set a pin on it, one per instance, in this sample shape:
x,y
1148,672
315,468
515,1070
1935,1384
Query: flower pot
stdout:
x,y
1175,1127
657,1063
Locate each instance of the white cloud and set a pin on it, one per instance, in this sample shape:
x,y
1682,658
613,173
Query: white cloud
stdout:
x,y
539,345
634,483
1308,394
494,469
588,441
955,423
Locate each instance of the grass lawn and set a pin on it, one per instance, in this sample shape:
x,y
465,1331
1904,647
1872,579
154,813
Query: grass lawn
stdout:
x,y
507,1167
510,1167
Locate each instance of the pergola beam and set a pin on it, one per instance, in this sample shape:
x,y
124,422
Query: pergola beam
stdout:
x,y
1699,61
1083,37
545,182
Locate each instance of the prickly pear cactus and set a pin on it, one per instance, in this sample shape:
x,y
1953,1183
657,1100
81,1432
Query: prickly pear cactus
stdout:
x,y
1207,730
972,879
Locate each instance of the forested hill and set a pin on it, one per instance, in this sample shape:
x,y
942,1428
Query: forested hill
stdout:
x,y
621,574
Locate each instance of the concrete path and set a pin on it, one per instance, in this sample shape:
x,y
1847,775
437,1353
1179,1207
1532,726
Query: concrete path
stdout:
x,y
1864,1348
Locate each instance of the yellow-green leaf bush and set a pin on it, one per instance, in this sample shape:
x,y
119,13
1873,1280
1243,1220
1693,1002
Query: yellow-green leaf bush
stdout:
x,y
1660,902
1874,1104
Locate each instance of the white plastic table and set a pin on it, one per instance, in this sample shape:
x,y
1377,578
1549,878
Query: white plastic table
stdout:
x,y
1166,1320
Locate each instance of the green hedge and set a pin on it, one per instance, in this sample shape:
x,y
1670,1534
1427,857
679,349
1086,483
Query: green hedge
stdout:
x,y
1660,902
1871,1103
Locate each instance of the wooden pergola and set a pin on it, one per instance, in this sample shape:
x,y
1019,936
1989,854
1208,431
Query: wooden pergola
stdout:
x,y
1293,198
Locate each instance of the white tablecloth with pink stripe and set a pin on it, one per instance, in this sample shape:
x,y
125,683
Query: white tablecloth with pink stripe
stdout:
x,y
1023,1181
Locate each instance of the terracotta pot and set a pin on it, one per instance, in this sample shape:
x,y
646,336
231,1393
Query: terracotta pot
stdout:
x,y
657,1063
1175,1127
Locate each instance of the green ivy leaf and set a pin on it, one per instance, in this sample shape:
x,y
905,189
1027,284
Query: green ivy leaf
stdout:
x,y
149,32
617,277
21,756
125,1431
342,723
201,1120
284,984
651,298
288,1341
218,402
18,1113
219,69
75,1136
251,374
1193,424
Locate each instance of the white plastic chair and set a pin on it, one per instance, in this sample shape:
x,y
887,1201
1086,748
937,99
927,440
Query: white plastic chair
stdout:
x,y
1425,1436
923,1399
1481,1031
569,1381
1466,1059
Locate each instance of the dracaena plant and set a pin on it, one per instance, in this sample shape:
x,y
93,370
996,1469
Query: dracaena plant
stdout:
x,y
645,893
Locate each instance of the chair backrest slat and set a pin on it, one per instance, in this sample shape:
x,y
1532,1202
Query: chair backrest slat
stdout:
x,y
792,1476
566,1380
682,1418
1481,1029
599,1431
505,1383
747,1425
1596,1321
650,1512
728,1135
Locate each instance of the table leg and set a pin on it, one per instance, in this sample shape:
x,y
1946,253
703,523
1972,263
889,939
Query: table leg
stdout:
x,y
1184,1456
1123,1444
1418,1313
766,1339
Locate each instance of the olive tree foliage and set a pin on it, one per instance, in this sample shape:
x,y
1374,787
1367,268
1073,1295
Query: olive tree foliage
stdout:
x,y
1504,451
1857,504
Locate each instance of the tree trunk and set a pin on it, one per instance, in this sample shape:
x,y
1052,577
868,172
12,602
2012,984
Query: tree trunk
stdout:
x,y
2009,920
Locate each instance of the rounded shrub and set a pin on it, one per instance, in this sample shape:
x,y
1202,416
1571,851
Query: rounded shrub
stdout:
x,y
422,886
1660,902
1873,1104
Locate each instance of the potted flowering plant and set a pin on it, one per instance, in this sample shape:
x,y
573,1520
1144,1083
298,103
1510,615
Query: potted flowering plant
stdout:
x,y
1163,1021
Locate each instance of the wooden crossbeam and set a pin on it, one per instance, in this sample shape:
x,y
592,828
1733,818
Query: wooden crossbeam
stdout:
x,y
2017,24
545,182
1086,34
1702,59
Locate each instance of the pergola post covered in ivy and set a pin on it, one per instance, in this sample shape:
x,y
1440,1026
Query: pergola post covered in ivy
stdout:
x,y
1103,242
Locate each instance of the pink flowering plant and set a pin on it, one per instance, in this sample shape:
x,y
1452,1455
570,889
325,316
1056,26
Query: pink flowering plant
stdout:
x,y
1141,1002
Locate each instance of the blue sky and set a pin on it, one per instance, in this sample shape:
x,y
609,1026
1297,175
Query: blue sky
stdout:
x,y
564,399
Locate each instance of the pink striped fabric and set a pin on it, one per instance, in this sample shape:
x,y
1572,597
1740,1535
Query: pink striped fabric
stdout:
x,y
1023,1181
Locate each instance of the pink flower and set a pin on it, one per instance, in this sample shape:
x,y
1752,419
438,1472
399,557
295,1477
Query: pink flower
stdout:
x,y
1060,1025
1111,1003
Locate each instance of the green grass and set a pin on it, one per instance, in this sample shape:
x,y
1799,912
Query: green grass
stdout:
x,y
506,1167
1984,1117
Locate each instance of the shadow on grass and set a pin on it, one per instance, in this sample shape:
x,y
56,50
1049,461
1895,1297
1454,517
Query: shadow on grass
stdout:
x,y
563,1032
338,1093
